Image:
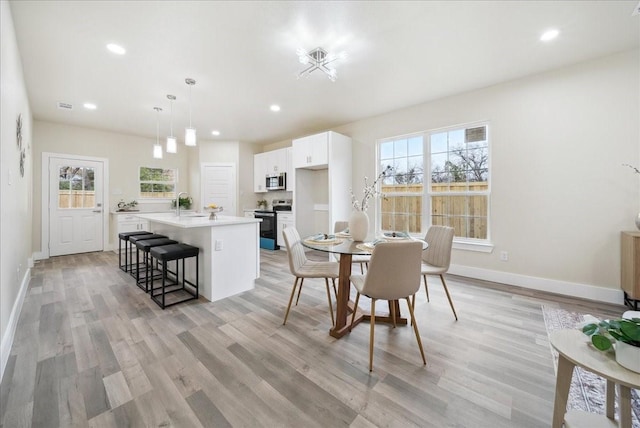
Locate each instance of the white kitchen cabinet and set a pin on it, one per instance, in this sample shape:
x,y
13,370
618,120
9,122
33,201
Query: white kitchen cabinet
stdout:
x,y
311,151
284,221
259,172
321,194
127,223
290,170
272,162
275,161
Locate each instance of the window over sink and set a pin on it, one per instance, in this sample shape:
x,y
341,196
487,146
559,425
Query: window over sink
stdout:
x,y
157,183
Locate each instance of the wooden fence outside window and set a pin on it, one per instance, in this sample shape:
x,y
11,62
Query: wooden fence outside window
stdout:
x,y
467,214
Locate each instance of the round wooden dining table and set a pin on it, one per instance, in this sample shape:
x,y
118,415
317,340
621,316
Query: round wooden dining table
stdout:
x,y
347,248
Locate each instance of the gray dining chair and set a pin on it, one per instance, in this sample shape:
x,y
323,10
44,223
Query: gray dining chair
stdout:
x,y
437,258
362,260
302,268
393,274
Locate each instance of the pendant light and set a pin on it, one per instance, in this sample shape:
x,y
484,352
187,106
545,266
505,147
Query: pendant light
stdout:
x,y
172,143
190,132
157,148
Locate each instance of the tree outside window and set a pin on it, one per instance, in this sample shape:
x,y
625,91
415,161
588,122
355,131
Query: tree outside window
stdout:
x,y
459,189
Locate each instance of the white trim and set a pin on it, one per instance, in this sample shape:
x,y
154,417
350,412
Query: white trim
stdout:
x,y
481,247
151,199
571,289
7,339
44,208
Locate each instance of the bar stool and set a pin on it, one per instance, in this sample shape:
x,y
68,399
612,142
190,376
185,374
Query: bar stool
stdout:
x,y
164,254
145,246
124,237
133,271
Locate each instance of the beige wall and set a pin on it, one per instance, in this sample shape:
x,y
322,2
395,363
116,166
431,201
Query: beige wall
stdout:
x,y
238,153
126,153
15,193
560,196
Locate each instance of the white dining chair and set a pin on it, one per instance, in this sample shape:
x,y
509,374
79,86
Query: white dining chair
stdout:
x,y
302,268
437,258
393,274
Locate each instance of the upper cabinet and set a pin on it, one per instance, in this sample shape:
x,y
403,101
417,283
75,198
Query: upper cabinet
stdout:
x,y
311,152
322,167
273,162
259,174
291,172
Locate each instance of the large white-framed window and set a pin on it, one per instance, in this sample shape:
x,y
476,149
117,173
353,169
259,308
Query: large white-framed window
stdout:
x,y
459,187
157,183
440,177
401,208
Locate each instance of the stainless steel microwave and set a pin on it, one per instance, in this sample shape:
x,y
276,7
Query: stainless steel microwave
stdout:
x,y
276,181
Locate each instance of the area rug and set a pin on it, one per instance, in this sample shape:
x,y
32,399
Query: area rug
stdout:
x,y
587,392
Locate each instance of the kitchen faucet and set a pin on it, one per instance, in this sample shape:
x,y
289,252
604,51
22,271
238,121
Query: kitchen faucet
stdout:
x,y
178,203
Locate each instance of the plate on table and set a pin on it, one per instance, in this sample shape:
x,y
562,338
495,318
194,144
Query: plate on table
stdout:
x,y
368,246
323,238
396,236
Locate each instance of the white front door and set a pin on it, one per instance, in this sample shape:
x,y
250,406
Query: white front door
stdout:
x,y
219,186
75,206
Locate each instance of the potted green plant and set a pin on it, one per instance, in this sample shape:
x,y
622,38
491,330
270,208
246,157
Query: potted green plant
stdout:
x,y
262,204
185,202
625,333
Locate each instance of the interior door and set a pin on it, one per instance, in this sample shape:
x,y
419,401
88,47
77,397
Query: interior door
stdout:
x,y
75,206
219,187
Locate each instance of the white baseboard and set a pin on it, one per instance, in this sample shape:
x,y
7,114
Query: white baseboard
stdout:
x,y
39,255
572,289
7,338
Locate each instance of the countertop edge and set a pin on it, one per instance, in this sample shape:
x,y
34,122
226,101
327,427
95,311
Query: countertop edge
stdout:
x,y
195,222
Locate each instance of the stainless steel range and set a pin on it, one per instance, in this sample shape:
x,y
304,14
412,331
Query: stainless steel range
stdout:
x,y
269,225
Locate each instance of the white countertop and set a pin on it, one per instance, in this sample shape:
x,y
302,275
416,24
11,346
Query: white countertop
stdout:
x,y
191,220
136,212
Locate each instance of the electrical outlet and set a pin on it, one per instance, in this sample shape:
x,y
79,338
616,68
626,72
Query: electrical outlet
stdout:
x,y
218,244
504,256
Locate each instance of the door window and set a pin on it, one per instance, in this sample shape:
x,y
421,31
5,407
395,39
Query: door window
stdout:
x,y
76,187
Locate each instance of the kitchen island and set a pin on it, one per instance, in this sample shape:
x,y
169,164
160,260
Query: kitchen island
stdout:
x,y
229,249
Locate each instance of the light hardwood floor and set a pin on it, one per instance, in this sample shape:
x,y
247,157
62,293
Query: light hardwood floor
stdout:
x,y
91,349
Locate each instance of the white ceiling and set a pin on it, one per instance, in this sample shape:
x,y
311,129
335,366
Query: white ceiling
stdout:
x,y
243,57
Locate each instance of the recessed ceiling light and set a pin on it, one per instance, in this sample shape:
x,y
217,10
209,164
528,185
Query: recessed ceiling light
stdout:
x,y
216,133
274,107
90,106
116,49
549,35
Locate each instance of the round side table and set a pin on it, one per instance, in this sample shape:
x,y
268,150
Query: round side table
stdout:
x,y
574,349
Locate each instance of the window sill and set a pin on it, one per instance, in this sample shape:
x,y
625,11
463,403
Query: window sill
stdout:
x,y
481,247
